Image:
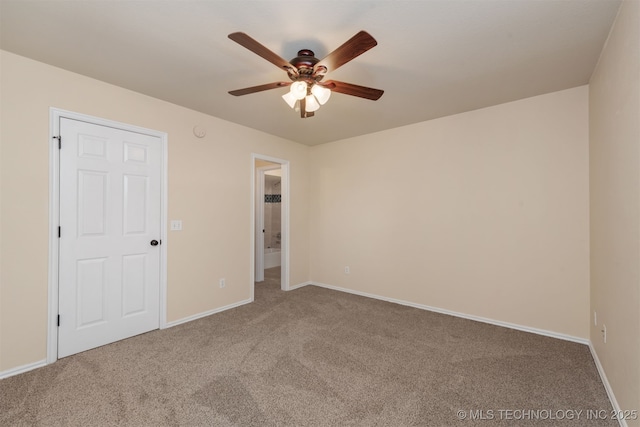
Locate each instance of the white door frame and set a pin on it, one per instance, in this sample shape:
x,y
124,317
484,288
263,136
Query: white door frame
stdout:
x,y
55,115
256,221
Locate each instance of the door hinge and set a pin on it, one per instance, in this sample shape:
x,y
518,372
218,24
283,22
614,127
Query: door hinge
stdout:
x,y
59,232
59,138
58,320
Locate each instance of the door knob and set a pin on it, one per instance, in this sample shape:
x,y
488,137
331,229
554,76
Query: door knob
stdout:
x,y
154,243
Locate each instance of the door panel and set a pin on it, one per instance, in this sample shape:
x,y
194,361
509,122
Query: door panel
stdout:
x,y
135,209
109,284
92,203
133,281
91,291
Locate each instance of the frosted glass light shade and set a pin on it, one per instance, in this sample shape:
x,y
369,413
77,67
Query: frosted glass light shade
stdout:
x,y
298,90
322,94
311,104
290,99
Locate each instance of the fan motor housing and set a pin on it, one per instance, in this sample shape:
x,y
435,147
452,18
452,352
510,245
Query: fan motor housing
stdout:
x,y
305,61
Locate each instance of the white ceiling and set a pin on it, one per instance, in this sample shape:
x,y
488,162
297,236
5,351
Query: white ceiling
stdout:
x,y
434,57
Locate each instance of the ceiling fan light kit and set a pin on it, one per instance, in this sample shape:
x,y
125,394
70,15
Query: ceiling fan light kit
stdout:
x,y
298,89
322,94
290,99
306,91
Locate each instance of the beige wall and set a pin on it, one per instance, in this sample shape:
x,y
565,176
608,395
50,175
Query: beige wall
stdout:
x,y
483,213
209,190
615,207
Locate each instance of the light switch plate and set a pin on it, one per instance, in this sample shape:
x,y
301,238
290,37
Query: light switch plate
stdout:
x,y
176,225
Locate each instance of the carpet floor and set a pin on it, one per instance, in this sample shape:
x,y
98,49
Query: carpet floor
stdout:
x,y
316,357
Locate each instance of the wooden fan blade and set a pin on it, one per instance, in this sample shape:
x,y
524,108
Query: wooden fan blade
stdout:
x,y
260,50
352,48
351,89
254,89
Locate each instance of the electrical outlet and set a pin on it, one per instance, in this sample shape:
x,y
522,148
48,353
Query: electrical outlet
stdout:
x,y
347,270
176,225
604,333
222,283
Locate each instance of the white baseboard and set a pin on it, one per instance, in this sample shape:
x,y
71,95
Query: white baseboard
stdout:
x,y
22,369
206,313
537,331
601,372
41,363
607,386
218,310
300,285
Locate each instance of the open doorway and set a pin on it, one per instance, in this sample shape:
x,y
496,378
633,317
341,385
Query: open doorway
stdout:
x,y
271,211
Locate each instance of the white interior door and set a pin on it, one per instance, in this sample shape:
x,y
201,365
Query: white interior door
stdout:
x,y
110,218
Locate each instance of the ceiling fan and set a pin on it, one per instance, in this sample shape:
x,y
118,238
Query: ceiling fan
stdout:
x,y
307,90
